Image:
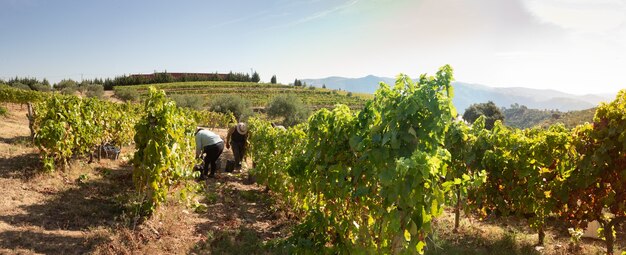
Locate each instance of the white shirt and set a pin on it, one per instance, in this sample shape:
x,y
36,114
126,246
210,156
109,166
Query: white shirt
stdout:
x,y
204,138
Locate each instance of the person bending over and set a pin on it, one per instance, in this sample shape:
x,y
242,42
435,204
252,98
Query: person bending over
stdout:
x,y
212,145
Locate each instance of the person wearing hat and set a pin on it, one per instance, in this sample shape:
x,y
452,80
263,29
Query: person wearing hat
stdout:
x,y
237,138
210,144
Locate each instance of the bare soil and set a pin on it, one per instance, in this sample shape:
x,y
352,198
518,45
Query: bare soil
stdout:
x,y
109,95
510,235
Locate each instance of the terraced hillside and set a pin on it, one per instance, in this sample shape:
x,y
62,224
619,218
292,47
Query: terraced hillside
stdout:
x,y
259,94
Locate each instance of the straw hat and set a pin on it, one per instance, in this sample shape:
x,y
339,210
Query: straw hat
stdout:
x,y
242,128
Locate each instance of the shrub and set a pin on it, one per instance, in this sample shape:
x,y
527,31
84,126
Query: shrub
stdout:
x,y
42,87
3,111
288,107
82,89
20,86
128,95
71,90
94,90
66,84
190,101
230,103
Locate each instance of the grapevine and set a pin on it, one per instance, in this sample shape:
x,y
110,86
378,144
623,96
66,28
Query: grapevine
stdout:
x,y
68,126
368,181
596,189
164,153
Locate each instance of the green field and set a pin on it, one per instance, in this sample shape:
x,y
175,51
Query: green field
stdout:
x,y
259,94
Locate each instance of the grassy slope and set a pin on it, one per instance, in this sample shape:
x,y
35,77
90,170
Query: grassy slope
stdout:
x,y
258,93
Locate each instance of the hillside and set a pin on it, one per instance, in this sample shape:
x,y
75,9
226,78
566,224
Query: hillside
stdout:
x,y
259,94
467,94
520,116
571,119
367,84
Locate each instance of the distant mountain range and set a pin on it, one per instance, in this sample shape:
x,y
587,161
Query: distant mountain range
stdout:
x,y
466,94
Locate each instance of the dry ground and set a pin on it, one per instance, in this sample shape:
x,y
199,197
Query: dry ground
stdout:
x,y
81,210
110,96
509,235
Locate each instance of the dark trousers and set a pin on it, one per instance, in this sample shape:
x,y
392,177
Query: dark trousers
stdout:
x,y
239,149
212,152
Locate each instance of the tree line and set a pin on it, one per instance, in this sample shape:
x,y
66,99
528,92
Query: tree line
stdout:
x,y
164,77
128,80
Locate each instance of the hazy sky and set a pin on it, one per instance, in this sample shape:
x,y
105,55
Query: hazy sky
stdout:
x,y
576,46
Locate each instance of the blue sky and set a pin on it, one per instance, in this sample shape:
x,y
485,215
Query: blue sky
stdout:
x,y
576,46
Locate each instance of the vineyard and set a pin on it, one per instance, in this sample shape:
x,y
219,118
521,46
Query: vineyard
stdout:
x,y
257,93
375,180
371,181
12,95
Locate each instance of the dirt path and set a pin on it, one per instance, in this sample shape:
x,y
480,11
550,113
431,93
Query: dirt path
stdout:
x,y
82,209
